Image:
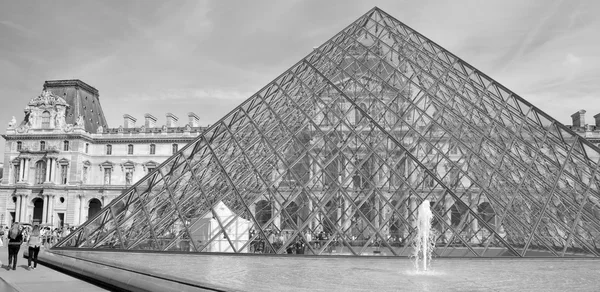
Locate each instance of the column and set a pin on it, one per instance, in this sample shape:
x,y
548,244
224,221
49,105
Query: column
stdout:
x,y
48,168
23,208
474,223
311,225
346,218
51,208
318,172
18,208
404,213
21,169
378,211
339,221
53,170
45,210
413,209
345,205
26,170
275,207
448,217
384,178
81,208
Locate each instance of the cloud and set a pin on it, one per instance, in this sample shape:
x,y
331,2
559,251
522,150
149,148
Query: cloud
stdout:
x,y
573,65
23,30
572,61
187,95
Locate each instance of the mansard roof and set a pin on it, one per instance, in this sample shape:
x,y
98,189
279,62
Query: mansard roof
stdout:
x,y
83,100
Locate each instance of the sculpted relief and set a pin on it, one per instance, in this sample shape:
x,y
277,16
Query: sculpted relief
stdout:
x,y
46,111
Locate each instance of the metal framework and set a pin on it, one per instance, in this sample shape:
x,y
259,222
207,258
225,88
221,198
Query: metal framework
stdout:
x,y
335,155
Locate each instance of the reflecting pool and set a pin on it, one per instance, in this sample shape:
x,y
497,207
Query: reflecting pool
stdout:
x,y
302,273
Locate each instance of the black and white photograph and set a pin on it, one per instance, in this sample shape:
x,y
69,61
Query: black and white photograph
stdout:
x,y
302,145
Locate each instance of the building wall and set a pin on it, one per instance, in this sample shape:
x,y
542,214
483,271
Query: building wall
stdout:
x,y
68,201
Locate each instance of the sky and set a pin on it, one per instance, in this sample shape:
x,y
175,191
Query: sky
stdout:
x,y
207,57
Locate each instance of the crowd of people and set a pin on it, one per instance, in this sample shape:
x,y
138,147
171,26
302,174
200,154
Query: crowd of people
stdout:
x,y
34,237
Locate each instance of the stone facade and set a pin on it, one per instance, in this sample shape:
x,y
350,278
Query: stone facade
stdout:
x,y
590,132
62,163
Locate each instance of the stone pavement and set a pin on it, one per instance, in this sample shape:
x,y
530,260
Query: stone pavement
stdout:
x,y
41,279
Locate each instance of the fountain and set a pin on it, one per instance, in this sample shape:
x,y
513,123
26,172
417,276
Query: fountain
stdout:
x,y
423,242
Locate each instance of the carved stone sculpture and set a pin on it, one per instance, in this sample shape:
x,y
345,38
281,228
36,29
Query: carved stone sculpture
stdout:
x,y
79,122
12,123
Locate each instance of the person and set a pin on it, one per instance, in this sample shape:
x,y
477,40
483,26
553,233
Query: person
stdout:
x,y
299,246
271,239
15,238
308,237
1,236
54,235
34,243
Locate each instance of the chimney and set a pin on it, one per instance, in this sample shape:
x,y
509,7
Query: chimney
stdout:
x,y
597,118
171,120
150,121
128,121
194,120
578,118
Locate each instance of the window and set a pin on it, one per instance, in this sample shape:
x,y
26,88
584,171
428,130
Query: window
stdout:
x,y
108,149
42,146
152,149
19,145
130,149
150,166
63,174
46,120
175,146
40,172
87,147
107,175
66,146
17,172
84,175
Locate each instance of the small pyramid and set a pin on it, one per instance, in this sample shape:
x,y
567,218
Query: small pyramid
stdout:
x,y
335,155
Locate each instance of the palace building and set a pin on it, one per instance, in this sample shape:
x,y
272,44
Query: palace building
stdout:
x,y
63,163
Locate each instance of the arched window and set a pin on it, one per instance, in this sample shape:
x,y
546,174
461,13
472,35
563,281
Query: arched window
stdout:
x,y
40,172
130,149
65,145
175,148
87,147
46,119
94,207
152,149
42,145
108,149
19,145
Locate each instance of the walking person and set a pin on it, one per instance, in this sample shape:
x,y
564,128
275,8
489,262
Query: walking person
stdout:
x,y
34,243
15,239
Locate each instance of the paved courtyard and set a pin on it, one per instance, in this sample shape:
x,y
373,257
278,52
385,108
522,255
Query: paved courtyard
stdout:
x,y
42,279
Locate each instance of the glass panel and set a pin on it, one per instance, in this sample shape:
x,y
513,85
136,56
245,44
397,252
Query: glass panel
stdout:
x,y
338,153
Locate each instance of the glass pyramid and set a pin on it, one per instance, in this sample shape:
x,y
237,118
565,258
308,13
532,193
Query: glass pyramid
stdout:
x,y
336,154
